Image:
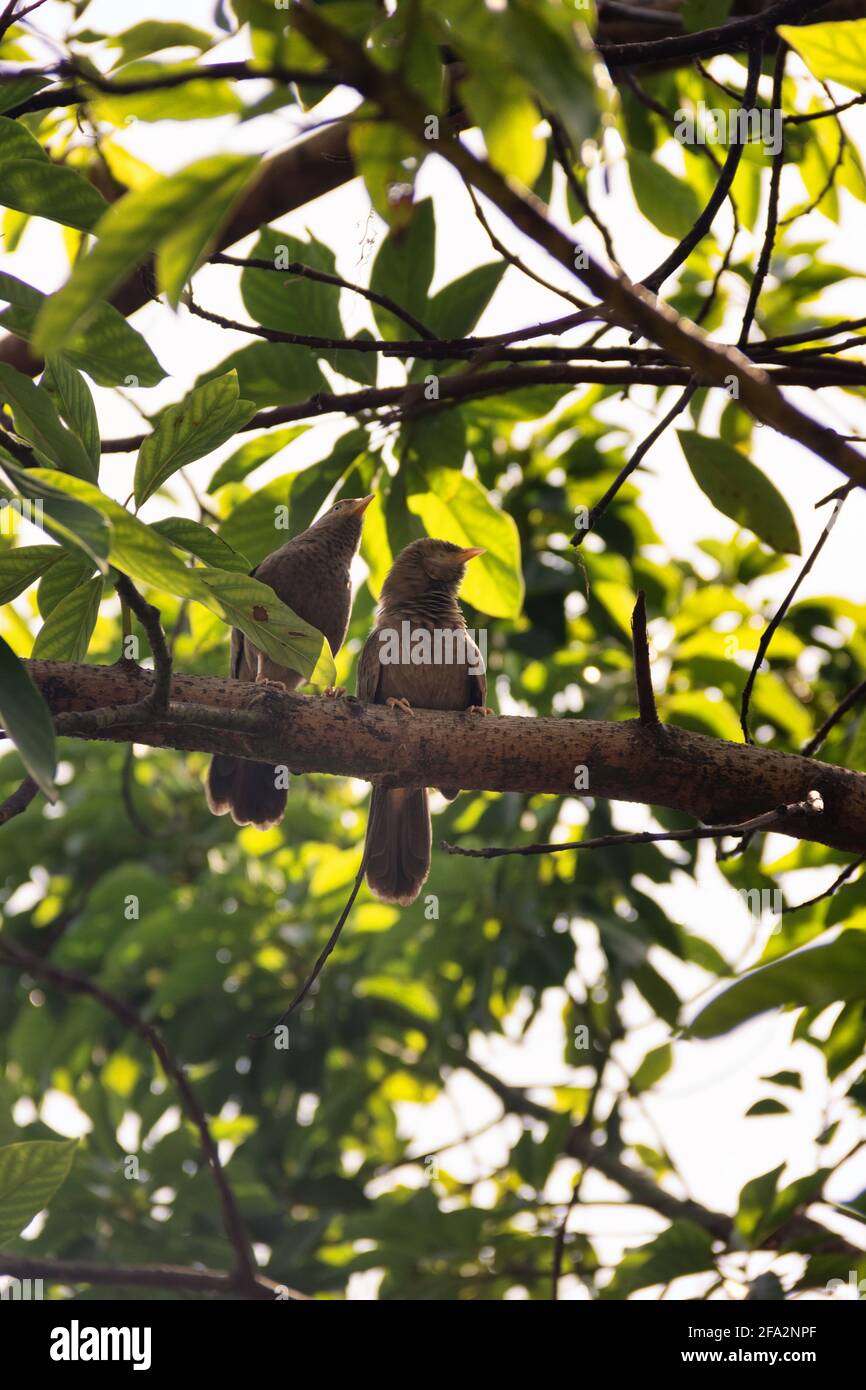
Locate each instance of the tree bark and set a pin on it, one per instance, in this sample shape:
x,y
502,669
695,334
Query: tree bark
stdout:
x,y
708,778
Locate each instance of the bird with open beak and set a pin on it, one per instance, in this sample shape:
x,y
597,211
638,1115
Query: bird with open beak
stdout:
x,y
419,603
310,573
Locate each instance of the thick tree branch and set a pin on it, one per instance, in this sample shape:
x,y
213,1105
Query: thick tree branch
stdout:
x,y
708,778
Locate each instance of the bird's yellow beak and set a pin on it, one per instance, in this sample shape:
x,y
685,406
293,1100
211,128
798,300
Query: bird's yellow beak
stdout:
x,y
358,505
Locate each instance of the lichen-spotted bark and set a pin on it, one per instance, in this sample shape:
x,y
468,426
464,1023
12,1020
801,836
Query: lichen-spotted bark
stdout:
x,y
708,778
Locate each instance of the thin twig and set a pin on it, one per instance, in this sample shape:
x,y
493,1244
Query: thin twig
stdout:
x,y
772,206
852,698
320,963
768,820
681,252
309,272
514,260
565,160
597,511
779,615
828,892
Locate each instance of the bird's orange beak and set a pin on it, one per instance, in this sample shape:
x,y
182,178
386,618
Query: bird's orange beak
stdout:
x,y
359,505
462,557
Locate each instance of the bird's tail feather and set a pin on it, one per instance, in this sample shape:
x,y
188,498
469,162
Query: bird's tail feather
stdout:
x,y
398,844
248,790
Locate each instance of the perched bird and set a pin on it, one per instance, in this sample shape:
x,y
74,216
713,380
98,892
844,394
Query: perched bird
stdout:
x,y
310,573
405,662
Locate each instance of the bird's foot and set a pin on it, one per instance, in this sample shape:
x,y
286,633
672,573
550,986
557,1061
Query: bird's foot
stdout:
x,y
480,709
274,685
335,692
396,702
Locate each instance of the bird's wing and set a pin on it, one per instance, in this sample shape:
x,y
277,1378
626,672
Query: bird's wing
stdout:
x,y
370,670
478,681
237,654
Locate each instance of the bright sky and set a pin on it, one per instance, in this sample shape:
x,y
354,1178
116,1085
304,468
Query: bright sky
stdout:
x,y
699,1107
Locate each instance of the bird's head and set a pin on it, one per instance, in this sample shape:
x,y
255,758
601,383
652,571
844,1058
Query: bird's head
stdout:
x,y
427,567
341,524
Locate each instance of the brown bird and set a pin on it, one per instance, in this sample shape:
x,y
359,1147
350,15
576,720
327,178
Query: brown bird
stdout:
x,y
310,573
411,658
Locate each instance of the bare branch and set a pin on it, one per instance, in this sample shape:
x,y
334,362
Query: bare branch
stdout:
x,y
769,820
322,277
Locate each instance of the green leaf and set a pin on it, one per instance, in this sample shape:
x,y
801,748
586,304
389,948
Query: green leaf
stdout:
x,y
456,508
768,1106
704,14
79,528
27,722
832,52
455,310
65,635
179,214
292,303
252,525
740,490
109,349
272,373
668,202
386,157
21,566
358,366
32,184
200,423
30,1174
501,104
655,1065
141,552
153,35
756,1200
136,549
51,191
37,421
684,1248
403,269
202,542
271,625
15,90
543,44
812,978
193,101
72,570
252,454
71,396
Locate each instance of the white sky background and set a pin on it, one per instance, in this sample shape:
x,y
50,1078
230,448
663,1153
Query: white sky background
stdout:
x,y
699,1107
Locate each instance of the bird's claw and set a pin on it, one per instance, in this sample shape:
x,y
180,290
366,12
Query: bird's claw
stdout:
x,y
480,709
335,692
395,702
274,685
